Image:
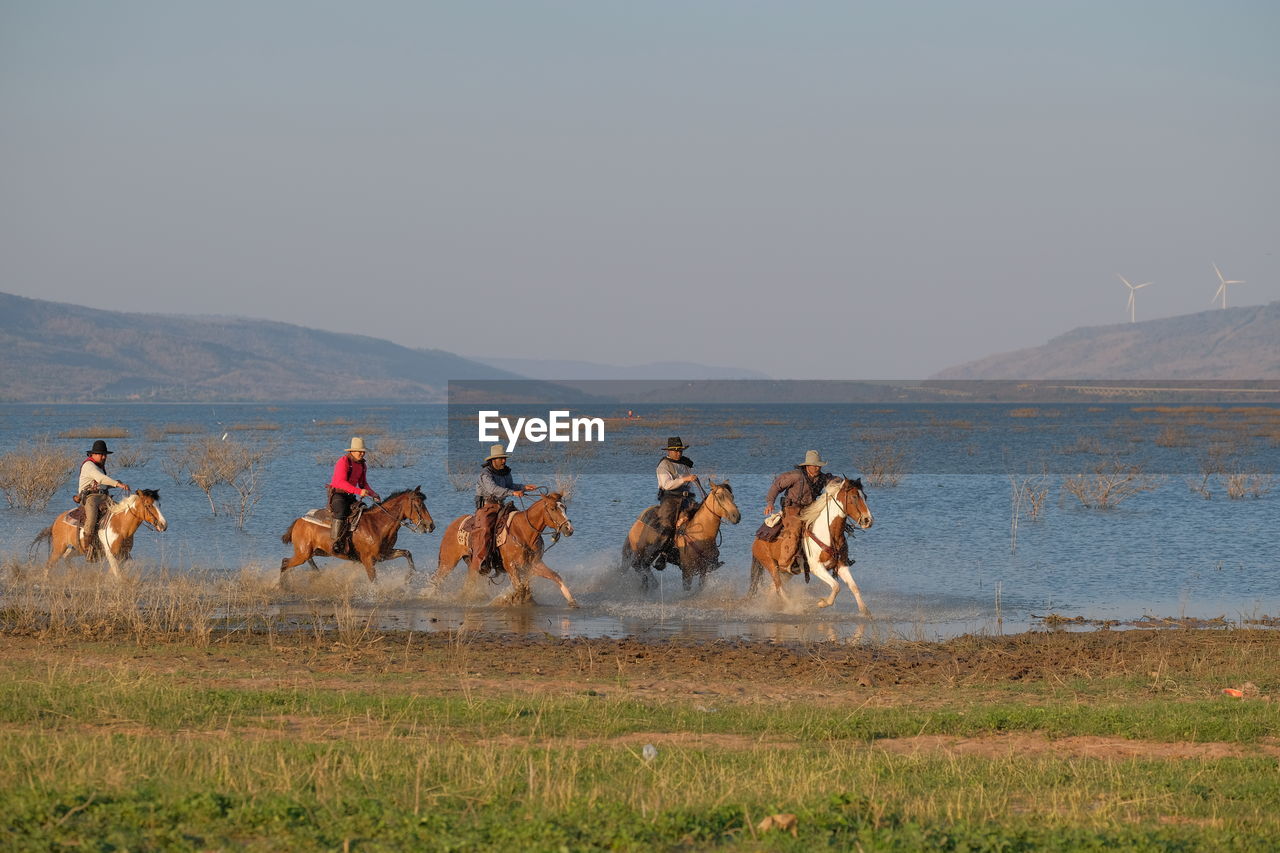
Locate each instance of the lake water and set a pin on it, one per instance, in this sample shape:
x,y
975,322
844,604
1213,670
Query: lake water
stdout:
x,y
938,562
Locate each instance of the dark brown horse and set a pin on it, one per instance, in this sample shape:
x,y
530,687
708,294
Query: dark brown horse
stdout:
x,y
373,540
695,542
521,552
822,542
120,520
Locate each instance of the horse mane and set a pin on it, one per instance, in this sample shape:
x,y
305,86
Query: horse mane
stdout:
x,y
810,513
396,494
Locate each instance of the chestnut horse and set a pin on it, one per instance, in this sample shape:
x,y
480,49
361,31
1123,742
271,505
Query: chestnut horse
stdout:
x,y
119,521
822,542
521,552
695,542
373,540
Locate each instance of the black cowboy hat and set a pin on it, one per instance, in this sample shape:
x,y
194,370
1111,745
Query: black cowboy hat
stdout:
x,y
674,443
99,446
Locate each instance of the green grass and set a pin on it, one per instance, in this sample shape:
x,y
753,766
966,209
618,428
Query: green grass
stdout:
x,y
131,756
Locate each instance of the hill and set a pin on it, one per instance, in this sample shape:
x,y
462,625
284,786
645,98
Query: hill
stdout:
x,y
1238,343
556,369
59,352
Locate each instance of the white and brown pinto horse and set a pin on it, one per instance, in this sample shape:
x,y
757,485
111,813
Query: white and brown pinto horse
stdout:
x,y
119,522
822,541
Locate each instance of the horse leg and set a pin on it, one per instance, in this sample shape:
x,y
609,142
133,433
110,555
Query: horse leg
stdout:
x,y
542,570
847,577
368,559
820,572
401,552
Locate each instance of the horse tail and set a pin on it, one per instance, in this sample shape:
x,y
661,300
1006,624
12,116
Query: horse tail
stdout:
x,y
287,537
757,571
43,535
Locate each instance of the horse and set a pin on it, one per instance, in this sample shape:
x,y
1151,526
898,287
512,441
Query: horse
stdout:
x,y
372,541
695,542
822,535
521,551
119,521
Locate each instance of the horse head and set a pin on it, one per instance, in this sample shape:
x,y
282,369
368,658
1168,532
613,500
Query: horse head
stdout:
x,y
724,504
416,513
854,502
554,513
145,504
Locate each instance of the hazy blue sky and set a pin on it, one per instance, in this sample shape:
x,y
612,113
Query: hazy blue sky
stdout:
x,y
814,189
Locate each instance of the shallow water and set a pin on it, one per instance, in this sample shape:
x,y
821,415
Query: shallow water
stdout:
x,y
938,561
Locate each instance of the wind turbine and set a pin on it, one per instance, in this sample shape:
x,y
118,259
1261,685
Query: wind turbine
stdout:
x,y
1222,288
1132,288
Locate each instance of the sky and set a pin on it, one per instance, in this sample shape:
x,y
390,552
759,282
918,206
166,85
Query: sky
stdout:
x,y
815,190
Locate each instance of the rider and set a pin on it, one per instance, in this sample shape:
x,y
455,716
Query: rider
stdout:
x,y
799,487
349,484
91,492
493,487
674,494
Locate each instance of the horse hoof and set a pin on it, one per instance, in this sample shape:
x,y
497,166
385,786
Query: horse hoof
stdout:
x,y
825,603
573,604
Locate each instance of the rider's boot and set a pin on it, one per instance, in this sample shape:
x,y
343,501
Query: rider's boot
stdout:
x,y
335,530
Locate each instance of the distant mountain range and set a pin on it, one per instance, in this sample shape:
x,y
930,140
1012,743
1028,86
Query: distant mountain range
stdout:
x,y
557,369
1236,343
58,352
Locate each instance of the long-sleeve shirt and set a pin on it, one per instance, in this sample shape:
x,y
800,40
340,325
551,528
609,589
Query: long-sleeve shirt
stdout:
x,y
796,487
349,475
93,475
669,473
495,485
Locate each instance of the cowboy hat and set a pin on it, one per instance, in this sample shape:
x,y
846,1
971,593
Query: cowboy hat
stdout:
x,y
674,443
811,458
496,451
99,446
357,445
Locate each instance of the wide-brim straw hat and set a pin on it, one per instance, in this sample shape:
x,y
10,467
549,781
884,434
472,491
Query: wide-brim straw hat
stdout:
x,y
812,458
99,446
357,445
674,443
496,451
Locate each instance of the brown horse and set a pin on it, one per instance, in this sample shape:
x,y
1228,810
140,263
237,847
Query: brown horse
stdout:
x,y
695,542
521,552
120,520
373,540
822,542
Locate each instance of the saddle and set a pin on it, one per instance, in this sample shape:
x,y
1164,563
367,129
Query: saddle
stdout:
x,y
500,532
649,518
324,516
75,517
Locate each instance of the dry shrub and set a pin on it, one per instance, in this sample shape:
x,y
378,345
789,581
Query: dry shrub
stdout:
x,y
1109,484
393,453
462,481
1084,444
226,466
161,432
132,457
1024,413
1173,436
95,432
31,475
1248,484
883,463
265,426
